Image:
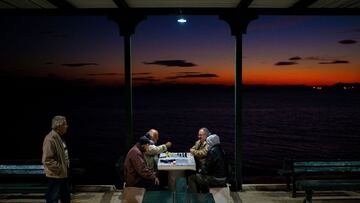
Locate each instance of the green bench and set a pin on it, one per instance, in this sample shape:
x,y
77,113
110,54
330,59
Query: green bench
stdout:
x,y
18,176
323,175
22,178
295,171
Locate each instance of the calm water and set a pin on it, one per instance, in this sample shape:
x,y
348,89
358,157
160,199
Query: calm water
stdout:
x,y
276,125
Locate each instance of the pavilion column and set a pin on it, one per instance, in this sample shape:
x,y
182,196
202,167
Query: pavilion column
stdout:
x,y
127,22
238,22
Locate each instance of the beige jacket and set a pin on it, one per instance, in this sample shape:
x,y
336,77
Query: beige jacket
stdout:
x,y
200,153
53,156
151,155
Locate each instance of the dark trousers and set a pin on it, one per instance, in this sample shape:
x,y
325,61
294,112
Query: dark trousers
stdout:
x,y
201,183
58,188
147,184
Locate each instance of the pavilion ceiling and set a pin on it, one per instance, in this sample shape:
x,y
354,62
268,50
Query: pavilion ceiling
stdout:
x,y
160,7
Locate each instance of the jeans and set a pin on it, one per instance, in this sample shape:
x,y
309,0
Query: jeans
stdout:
x,y
58,188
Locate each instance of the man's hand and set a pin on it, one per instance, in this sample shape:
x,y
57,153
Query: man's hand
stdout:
x,y
157,182
192,151
168,144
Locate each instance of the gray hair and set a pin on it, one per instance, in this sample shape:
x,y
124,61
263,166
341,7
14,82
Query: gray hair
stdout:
x,y
207,131
57,121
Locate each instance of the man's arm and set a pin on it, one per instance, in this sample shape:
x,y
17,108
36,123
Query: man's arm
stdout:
x,y
155,150
196,145
201,152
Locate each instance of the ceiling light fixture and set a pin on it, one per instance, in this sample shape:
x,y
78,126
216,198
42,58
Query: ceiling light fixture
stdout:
x,y
181,19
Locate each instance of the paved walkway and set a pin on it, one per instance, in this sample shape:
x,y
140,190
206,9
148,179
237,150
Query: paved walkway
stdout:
x,y
251,194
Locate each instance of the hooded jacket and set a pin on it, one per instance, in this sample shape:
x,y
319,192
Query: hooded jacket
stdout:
x,y
215,160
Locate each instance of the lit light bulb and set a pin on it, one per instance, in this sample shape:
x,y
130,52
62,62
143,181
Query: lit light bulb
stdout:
x,y
181,20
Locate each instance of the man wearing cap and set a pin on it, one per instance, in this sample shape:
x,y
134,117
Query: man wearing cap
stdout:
x,y
136,172
151,155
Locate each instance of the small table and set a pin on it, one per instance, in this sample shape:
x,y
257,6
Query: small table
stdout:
x,y
176,163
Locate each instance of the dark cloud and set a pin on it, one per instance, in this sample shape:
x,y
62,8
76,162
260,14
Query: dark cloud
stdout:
x,y
285,63
317,58
348,41
189,72
202,75
326,60
175,63
79,64
141,73
146,79
48,63
104,74
335,62
295,58
279,23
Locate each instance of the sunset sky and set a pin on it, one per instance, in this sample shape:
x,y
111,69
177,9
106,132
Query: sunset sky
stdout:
x,y
311,50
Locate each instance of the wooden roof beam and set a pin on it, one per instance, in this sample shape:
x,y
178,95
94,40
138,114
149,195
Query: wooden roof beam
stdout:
x,y
122,4
185,11
301,4
243,4
9,4
61,4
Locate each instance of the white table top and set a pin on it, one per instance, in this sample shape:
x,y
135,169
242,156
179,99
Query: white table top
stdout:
x,y
176,161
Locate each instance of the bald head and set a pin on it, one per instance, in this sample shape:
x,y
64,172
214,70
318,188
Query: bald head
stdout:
x,y
154,135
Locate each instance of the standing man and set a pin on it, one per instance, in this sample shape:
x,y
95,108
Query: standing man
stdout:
x,y
55,159
136,172
200,149
152,154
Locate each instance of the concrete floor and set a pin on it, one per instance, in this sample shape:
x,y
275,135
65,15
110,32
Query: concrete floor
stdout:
x,y
251,194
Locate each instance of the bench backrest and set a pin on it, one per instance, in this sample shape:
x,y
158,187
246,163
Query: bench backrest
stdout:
x,y
326,166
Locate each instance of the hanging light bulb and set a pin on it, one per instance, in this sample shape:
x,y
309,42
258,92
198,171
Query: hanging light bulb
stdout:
x,y
181,18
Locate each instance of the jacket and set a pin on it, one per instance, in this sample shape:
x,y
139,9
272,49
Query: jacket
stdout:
x,y
135,167
53,157
200,153
151,155
215,160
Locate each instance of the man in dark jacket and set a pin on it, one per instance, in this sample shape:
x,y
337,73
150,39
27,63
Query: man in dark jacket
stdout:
x,y
213,173
136,172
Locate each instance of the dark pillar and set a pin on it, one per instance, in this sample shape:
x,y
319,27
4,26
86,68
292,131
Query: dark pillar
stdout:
x,y
127,22
238,22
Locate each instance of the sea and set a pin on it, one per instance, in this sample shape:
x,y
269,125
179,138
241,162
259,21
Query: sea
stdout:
x,y
277,124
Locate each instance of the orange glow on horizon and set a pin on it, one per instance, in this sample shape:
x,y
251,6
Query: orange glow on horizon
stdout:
x,y
328,75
